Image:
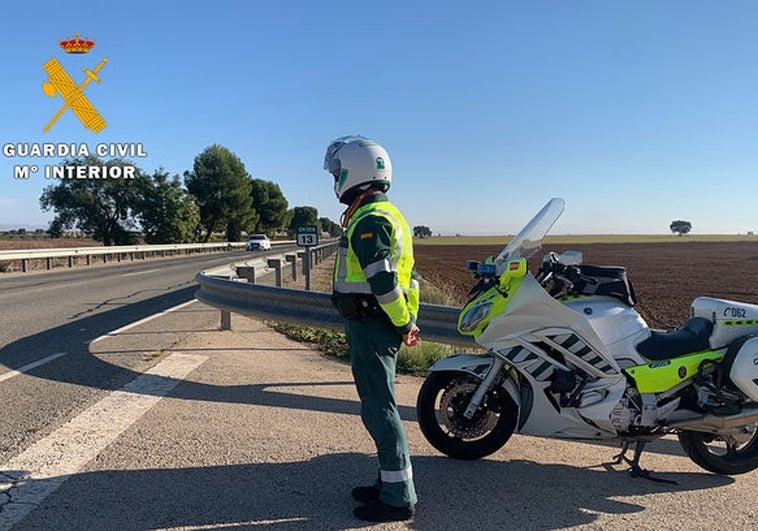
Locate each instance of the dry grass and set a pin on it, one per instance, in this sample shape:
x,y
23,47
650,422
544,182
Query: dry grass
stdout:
x,y
321,277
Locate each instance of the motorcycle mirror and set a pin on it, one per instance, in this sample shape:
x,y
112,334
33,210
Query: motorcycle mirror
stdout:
x,y
550,257
570,258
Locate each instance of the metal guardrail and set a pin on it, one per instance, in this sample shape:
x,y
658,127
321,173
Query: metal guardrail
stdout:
x,y
309,308
118,251
262,265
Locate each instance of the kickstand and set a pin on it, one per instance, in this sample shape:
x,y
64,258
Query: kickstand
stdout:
x,y
636,470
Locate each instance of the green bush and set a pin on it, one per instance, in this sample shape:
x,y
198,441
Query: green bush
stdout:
x,y
418,359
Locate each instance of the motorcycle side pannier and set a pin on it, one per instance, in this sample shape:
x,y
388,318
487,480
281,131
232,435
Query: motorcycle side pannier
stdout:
x,y
730,319
740,362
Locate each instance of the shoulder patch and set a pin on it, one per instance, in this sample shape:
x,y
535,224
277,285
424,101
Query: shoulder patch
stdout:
x,y
367,235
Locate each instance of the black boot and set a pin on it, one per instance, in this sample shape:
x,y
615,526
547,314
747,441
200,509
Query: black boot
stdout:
x,y
378,511
366,494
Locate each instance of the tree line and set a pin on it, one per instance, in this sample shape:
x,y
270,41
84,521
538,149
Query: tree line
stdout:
x,y
217,195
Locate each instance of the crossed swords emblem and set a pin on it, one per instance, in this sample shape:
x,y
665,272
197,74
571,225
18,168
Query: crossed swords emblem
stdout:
x,y
59,82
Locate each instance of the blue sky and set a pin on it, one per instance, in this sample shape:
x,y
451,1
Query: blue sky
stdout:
x,y
635,112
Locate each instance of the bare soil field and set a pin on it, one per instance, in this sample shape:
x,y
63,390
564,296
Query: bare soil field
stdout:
x,y
666,276
59,243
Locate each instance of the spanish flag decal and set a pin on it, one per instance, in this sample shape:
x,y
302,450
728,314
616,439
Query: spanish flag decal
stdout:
x,y
367,235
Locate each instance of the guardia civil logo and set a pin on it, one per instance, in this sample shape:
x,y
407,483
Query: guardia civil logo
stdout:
x,y
60,83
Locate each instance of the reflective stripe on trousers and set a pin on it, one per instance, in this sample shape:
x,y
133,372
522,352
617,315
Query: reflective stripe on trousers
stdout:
x,y
396,476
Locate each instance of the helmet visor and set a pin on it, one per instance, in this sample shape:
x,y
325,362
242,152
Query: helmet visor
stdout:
x,y
332,162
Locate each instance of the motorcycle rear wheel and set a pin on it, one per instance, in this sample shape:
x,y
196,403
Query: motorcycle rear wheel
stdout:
x,y
444,397
720,456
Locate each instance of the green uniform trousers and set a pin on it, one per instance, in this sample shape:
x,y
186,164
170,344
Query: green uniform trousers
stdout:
x,y
374,344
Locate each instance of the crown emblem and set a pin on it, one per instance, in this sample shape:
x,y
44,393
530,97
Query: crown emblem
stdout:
x,y
77,44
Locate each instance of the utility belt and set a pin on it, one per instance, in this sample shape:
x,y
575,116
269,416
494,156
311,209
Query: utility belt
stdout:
x,y
357,306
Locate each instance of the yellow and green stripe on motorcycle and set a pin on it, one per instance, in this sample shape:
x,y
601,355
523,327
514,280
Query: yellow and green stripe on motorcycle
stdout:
x,y
659,376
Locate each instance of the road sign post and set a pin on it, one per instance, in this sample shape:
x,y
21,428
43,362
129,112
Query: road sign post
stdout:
x,y
307,236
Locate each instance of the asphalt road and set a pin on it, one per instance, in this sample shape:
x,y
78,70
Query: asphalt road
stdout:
x,y
59,313
169,423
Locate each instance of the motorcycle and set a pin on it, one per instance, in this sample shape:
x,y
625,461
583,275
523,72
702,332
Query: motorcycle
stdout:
x,y
568,357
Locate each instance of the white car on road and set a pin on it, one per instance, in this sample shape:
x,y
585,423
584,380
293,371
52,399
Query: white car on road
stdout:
x,y
257,242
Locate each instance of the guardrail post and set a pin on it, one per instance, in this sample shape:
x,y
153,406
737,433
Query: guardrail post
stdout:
x,y
70,261
292,258
89,259
301,256
49,263
246,272
24,265
226,320
276,263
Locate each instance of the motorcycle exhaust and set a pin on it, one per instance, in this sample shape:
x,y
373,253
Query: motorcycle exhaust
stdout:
x,y
714,424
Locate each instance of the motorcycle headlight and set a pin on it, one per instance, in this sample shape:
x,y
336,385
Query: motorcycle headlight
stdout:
x,y
474,316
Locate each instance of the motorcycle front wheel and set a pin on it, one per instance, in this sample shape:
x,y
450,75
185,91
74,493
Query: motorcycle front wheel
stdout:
x,y
728,456
442,400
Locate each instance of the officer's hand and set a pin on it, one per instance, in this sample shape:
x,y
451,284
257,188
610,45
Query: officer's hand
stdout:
x,y
411,338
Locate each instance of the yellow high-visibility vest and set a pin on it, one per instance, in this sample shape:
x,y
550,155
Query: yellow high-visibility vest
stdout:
x,y
350,278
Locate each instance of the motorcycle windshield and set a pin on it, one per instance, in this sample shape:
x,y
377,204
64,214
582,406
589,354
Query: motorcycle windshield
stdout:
x,y
529,239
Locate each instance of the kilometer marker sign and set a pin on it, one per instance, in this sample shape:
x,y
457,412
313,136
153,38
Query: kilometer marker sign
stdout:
x,y
307,236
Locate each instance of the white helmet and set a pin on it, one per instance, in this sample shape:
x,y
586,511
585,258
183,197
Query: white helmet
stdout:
x,y
356,163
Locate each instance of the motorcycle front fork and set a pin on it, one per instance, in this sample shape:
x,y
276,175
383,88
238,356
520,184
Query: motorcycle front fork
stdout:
x,y
485,385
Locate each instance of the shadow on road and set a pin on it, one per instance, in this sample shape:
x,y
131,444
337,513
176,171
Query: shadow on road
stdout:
x,y
315,494
80,367
84,369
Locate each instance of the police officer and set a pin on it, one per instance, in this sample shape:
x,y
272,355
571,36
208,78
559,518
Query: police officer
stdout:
x,y
376,290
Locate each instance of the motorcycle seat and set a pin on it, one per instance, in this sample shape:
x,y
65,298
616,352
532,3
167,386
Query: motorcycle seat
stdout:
x,y
691,337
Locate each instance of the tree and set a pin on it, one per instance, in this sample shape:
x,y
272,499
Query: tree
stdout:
x,y
167,213
100,208
222,190
422,231
327,225
303,215
680,227
271,205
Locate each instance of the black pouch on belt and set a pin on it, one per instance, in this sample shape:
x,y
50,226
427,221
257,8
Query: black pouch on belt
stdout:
x,y
356,306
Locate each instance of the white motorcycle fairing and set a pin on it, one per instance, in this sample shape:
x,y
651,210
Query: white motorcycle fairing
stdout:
x,y
553,328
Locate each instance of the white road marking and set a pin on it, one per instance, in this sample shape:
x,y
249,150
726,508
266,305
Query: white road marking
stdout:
x,y
140,273
10,374
30,477
141,321
236,525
